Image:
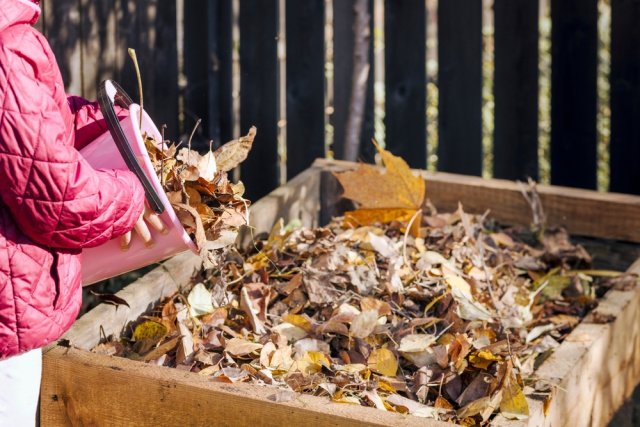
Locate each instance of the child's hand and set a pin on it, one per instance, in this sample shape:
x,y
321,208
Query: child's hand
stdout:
x,y
148,217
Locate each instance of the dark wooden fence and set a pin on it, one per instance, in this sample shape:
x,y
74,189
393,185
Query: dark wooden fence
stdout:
x,y
90,40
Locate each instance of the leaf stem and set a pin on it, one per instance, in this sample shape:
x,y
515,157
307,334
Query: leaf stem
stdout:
x,y
134,58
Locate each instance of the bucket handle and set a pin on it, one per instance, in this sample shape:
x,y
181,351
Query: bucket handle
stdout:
x,y
109,94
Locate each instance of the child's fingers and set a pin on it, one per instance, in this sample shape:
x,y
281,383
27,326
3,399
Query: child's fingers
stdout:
x,y
143,231
155,222
125,241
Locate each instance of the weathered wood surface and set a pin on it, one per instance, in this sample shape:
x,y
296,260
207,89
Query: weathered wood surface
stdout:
x,y
582,212
82,388
592,372
595,369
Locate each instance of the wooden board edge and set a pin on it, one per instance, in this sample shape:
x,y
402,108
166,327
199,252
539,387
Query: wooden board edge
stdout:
x,y
618,215
596,368
75,383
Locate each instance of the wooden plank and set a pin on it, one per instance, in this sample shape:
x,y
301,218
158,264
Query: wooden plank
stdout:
x,y
595,369
220,102
98,43
74,388
150,27
406,80
460,86
343,18
64,35
625,96
515,137
574,52
259,93
618,215
305,84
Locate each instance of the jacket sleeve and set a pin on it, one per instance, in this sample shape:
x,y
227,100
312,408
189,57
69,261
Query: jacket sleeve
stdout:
x,y
88,120
56,198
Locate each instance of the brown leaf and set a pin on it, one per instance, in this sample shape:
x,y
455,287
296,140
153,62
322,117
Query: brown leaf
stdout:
x,y
395,187
109,298
364,324
187,214
241,347
231,154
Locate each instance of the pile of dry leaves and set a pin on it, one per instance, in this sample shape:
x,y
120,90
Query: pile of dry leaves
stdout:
x,y
394,306
209,206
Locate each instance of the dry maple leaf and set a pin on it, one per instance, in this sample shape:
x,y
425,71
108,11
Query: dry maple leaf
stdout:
x,y
395,187
391,194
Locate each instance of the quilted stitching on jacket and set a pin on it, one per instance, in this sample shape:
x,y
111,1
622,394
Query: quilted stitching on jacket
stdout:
x,y
52,203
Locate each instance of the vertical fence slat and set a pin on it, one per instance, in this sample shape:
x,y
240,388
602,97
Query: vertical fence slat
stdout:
x,y
98,44
195,48
406,80
207,66
625,96
343,37
460,86
220,105
66,45
150,28
515,146
574,50
305,83
259,93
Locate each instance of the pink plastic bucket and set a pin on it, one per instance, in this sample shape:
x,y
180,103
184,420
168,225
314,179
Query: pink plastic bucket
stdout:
x,y
110,260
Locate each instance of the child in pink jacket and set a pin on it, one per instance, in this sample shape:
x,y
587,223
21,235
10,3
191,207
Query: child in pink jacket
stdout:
x,y
52,204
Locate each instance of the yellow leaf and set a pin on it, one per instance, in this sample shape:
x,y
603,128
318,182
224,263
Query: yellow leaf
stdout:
x,y
482,359
318,358
385,386
514,405
149,330
298,320
394,187
363,217
340,397
383,361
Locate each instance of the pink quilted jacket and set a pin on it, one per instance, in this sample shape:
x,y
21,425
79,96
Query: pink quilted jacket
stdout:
x,y
52,203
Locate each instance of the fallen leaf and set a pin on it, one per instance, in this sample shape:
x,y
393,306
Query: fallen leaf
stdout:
x,y
200,301
513,405
364,324
231,154
241,347
394,193
109,298
383,361
413,407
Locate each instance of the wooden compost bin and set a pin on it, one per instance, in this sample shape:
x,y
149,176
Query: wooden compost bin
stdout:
x,y
594,370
